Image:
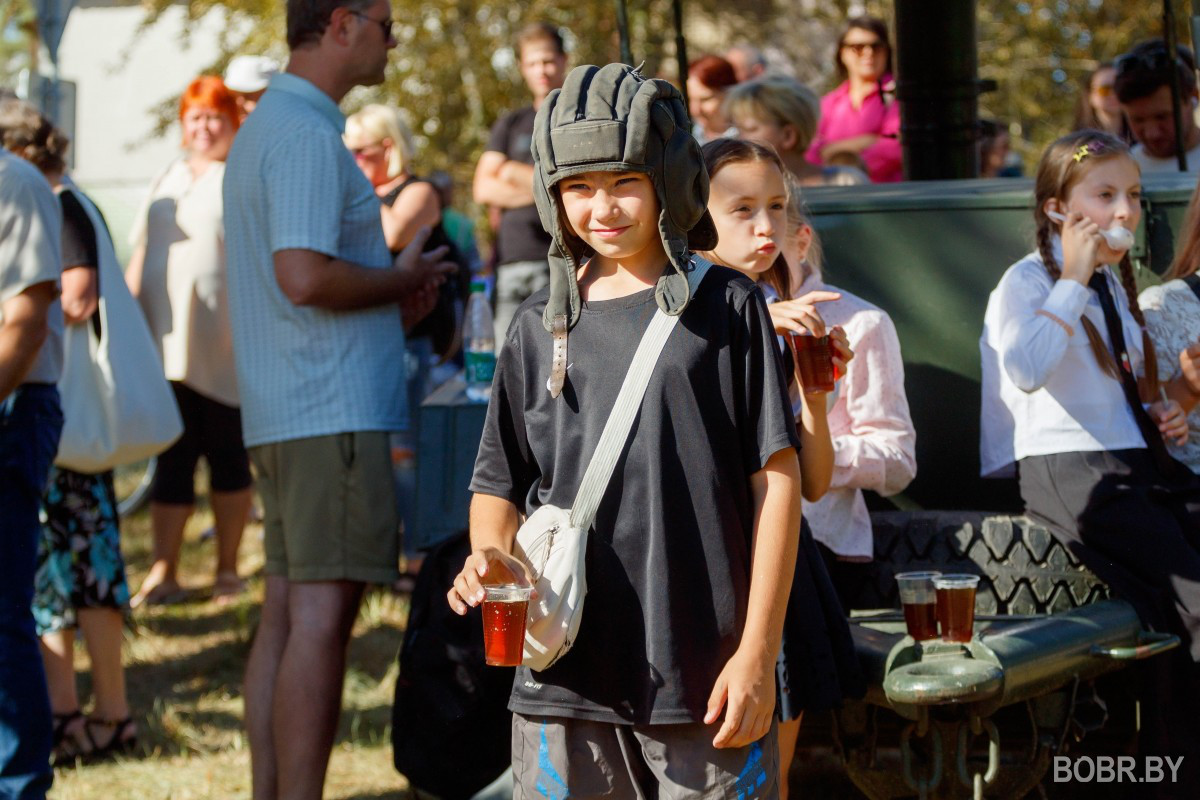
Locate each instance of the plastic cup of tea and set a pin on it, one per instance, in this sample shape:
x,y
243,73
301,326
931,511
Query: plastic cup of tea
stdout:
x,y
919,600
504,611
814,357
956,606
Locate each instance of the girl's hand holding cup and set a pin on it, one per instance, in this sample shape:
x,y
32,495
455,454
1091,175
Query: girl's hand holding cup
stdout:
x,y
1171,419
821,360
839,347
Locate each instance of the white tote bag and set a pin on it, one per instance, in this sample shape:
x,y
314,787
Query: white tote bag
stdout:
x,y
553,540
117,405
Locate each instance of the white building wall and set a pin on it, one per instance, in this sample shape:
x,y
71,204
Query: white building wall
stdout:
x,y
121,75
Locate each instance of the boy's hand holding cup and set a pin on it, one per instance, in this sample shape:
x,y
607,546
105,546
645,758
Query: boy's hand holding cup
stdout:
x,y
502,583
487,566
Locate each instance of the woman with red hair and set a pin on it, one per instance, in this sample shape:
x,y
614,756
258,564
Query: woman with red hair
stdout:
x,y
178,275
708,79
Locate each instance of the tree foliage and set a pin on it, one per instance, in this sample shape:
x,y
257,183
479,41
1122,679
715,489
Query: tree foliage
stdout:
x,y
454,70
1040,52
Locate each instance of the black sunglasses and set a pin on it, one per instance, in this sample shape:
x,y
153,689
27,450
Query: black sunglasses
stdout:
x,y
858,48
385,24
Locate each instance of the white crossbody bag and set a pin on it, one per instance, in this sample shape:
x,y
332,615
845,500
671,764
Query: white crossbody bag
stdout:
x,y
553,540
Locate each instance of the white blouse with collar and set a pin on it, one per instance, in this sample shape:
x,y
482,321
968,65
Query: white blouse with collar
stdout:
x,y
1043,390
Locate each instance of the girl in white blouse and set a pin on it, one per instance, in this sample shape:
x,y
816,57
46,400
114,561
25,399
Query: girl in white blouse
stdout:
x,y
1070,398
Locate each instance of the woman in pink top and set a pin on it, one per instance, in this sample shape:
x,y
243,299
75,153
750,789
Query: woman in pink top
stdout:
x,y
859,121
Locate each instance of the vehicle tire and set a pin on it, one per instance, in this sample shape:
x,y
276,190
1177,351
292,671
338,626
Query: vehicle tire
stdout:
x,y
132,483
1024,569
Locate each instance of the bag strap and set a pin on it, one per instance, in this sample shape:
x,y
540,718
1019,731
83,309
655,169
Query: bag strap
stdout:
x,y
1193,282
629,400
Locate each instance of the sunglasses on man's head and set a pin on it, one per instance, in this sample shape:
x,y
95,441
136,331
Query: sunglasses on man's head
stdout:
x,y
1155,59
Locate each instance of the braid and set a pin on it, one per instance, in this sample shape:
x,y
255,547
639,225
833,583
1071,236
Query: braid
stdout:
x,y
1148,385
1104,356
1045,245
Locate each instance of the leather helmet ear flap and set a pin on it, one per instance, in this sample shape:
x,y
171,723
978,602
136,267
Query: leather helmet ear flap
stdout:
x,y
688,182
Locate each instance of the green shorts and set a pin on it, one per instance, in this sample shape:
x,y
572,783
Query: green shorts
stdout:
x,y
580,759
329,508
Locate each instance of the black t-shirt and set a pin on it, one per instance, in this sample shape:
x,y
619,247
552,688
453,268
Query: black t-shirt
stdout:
x,y
668,558
79,246
521,236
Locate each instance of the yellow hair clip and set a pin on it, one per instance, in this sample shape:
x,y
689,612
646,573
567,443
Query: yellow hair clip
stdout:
x,y
1083,152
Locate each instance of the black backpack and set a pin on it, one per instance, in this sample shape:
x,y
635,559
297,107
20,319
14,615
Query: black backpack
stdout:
x,y
451,728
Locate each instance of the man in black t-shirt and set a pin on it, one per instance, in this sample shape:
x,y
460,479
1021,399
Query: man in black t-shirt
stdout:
x,y
504,177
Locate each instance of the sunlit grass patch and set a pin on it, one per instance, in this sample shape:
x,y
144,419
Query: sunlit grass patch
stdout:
x,y
184,667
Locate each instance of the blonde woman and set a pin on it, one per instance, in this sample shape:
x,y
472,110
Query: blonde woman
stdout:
x,y
382,147
381,144
782,112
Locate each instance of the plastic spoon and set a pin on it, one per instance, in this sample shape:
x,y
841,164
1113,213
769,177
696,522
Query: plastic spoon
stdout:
x,y
1118,237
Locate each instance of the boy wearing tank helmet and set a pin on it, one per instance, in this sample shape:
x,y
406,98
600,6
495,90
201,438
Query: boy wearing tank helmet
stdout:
x,y
670,683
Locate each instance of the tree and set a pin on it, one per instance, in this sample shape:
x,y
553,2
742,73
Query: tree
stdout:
x,y
454,71
1040,52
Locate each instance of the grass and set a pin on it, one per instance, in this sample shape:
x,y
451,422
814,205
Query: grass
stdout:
x,y
184,669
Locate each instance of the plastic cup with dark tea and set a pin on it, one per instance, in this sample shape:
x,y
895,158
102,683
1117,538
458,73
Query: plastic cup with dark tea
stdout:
x,y
504,609
814,357
918,598
956,606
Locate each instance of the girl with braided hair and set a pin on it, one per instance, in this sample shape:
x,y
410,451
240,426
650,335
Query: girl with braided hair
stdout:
x,y
1071,400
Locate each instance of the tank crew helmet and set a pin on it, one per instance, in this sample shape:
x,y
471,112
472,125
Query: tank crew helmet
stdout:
x,y
612,119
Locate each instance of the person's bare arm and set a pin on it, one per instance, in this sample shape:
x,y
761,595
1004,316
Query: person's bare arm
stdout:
x,y
416,207
816,446
502,182
854,144
309,278
1184,388
494,523
24,329
747,683
80,294
133,271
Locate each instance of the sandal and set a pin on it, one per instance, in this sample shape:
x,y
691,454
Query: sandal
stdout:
x,y
67,747
162,594
227,588
118,742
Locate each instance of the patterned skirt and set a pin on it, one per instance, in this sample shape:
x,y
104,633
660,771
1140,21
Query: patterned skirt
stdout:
x,y
79,554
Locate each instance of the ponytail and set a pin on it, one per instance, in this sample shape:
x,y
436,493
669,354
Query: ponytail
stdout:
x,y
1148,384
